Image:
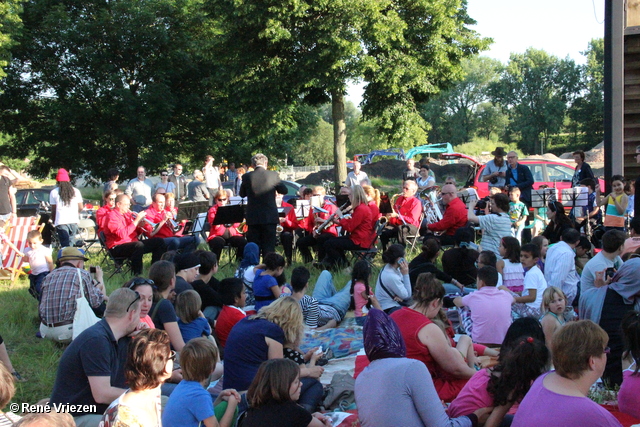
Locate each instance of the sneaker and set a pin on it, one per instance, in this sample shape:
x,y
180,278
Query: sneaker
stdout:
x,y
18,377
38,335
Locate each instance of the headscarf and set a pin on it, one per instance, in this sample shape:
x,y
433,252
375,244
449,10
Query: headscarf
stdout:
x,y
625,283
382,337
251,255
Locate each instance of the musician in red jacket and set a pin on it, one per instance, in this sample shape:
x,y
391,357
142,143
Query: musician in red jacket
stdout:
x,y
311,223
454,217
158,214
221,235
121,232
359,227
405,219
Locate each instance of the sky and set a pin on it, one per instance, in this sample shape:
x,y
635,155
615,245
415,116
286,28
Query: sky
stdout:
x,y
560,27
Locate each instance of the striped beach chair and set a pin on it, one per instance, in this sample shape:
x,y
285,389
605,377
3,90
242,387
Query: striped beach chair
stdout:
x,y
17,231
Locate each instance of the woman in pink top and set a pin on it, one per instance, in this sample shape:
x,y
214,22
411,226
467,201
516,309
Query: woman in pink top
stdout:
x,y
629,394
362,299
521,362
144,288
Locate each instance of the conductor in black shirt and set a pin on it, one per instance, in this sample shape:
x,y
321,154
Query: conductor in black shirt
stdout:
x,y
259,187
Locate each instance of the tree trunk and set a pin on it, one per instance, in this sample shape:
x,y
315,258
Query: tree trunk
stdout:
x,y
339,138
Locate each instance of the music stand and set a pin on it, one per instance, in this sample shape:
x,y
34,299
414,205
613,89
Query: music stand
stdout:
x,y
229,215
468,196
541,198
575,197
237,200
283,211
302,208
316,201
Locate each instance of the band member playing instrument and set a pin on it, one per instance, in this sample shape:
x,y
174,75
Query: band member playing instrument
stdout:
x,y
121,232
405,219
373,201
161,223
454,217
358,225
289,224
109,198
314,236
221,235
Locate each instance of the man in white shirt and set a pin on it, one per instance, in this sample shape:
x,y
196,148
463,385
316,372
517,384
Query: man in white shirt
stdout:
x,y
356,176
608,257
560,265
140,189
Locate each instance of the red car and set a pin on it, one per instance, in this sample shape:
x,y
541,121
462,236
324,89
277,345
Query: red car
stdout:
x,y
554,174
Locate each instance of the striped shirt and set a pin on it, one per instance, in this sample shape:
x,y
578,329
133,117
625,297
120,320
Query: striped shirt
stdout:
x,y
316,314
494,228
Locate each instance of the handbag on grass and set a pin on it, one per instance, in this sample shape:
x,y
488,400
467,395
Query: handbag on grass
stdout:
x,y
84,317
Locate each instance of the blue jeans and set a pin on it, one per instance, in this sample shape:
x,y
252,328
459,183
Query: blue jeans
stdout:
x,y
453,289
186,243
67,234
325,292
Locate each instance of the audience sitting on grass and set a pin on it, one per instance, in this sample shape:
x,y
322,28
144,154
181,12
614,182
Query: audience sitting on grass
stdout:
x,y
450,366
163,313
327,307
61,288
191,321
393,287
489,309
528,303
187,266
396,390
560,397
273,395
263,336
459,261
190,403
554,303
607,258
144,288
40,262
425,262
234,295
362,298
265,285
149,363
89,372
207,286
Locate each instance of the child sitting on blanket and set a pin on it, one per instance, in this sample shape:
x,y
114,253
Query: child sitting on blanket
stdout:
x,y
528,305
327,307
362,299
265,286
490,308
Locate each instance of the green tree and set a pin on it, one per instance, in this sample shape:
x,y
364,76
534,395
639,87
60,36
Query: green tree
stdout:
x,y
490,121
535,89
10,25
98,84
455,108
587,111
405,50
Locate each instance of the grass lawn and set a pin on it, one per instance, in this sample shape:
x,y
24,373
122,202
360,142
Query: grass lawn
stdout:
x,y
37,359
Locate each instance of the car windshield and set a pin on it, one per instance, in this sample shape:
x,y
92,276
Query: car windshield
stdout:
x,y
559,173
35,197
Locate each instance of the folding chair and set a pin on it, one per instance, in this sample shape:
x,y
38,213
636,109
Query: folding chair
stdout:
x,y
412,239
17,234
370,253
121,265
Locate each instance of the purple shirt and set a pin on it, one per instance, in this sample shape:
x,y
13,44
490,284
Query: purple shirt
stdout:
x,y
543,407
490,313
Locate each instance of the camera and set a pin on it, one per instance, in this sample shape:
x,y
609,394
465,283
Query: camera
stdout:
x,y
494,180
609,273
482,203
92,269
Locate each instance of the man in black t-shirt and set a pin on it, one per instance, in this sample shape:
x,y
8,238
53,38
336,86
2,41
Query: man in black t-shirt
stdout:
x,y
88,369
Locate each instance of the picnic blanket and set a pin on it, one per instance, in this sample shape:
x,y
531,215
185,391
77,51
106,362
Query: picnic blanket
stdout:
x,y
344,340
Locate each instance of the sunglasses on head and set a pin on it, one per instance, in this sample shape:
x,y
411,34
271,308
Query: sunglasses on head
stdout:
x,y
139,281
134,301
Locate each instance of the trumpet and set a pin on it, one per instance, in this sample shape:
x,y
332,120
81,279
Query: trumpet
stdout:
x,y
242,227
279,229
319,229
153,225
396,208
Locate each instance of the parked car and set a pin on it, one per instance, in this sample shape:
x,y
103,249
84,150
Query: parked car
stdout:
x,y
28,200
545,172
292,188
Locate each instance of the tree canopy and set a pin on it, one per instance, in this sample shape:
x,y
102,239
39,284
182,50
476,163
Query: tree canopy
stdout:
x,y
10,25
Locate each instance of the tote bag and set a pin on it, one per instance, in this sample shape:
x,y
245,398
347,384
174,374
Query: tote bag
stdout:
x,y
84,316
